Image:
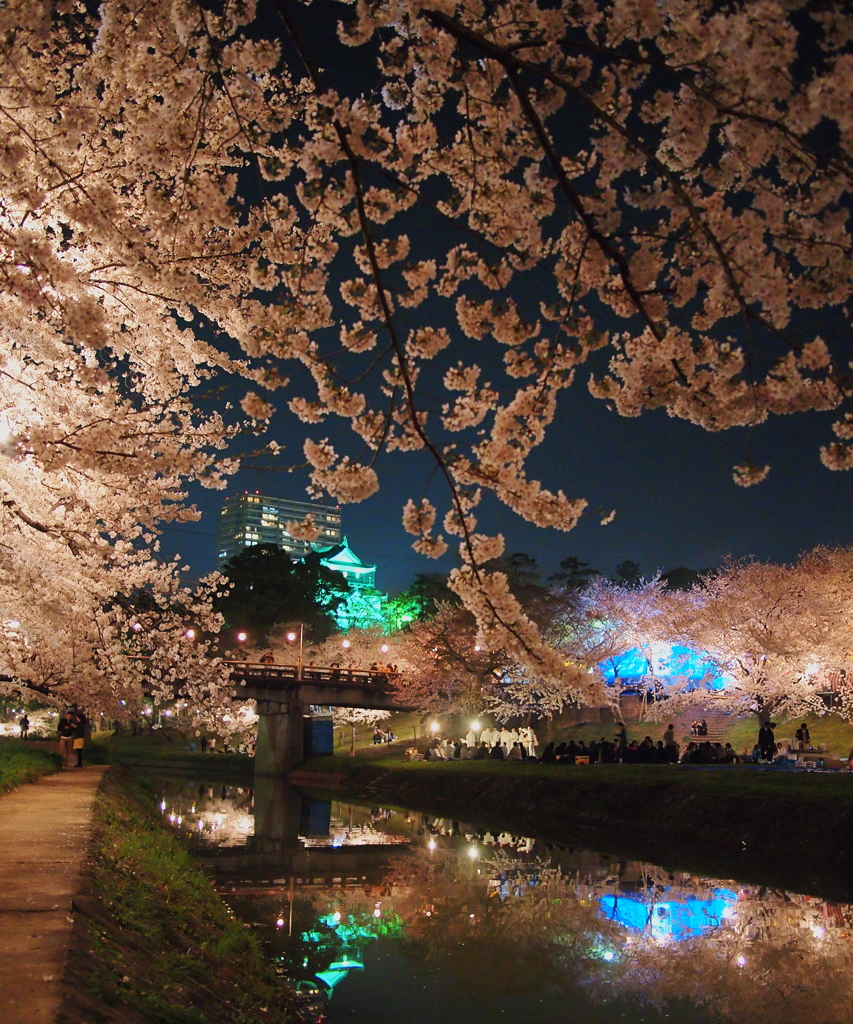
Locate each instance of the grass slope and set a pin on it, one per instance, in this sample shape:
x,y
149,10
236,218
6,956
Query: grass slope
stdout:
x,y
20,762
161,749
152,940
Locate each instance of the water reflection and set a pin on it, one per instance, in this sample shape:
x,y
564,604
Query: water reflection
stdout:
x,y
380,914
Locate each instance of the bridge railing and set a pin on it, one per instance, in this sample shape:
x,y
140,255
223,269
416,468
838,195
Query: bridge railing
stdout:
x,y
270,675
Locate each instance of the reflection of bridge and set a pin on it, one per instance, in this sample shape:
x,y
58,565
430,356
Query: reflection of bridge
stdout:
x,y
284,694
285,822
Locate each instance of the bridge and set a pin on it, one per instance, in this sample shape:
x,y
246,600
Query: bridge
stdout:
x,y
285,693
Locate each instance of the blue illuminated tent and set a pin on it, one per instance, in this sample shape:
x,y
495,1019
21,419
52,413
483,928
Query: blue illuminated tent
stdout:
x,y
670,664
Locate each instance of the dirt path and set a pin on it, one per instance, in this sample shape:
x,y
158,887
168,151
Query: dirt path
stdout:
x,y
44,832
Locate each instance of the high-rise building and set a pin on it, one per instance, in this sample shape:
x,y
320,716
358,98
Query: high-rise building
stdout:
x,y
248,519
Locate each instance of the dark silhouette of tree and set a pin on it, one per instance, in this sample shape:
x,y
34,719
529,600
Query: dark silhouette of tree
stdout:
x,y
627,573
269,588
574,574
682,578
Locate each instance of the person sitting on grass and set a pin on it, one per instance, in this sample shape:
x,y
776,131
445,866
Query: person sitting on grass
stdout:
x,y
606,753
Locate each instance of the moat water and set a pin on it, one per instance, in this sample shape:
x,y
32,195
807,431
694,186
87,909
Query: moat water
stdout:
x,y
383,915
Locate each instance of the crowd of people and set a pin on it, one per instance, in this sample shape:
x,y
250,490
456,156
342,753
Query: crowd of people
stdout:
x,y
619,750
504,744
494,744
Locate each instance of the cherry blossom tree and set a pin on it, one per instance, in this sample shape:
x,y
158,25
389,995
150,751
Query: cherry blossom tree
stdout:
x,y
780,632
652,195
355,717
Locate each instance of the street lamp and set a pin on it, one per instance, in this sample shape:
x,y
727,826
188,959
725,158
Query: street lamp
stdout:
x,y
291,637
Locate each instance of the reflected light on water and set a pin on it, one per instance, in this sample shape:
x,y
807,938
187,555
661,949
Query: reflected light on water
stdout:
x,y
348,882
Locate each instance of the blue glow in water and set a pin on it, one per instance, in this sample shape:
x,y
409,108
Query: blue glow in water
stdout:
x,y
674,920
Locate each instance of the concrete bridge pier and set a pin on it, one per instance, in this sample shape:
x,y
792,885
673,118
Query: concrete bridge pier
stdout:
x,y
280,743
284,699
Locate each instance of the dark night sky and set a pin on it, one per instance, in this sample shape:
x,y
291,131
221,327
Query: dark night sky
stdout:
x,y
669,482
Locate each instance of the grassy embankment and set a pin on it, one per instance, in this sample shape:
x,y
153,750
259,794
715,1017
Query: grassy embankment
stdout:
x,y
170,750
21,762
152,940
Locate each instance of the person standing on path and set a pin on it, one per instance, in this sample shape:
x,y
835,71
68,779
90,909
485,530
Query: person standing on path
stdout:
x,y
24,723
79,736
67,728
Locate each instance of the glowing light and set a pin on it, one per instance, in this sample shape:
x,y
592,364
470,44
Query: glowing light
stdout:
x,y
818,931
291,637
279,922
434,726
377,912
384,648
241,637
337,916
190,634
200,826
473,852
431,844
476,647
345,643
162,805
136,627
608,955
475,725
741,961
